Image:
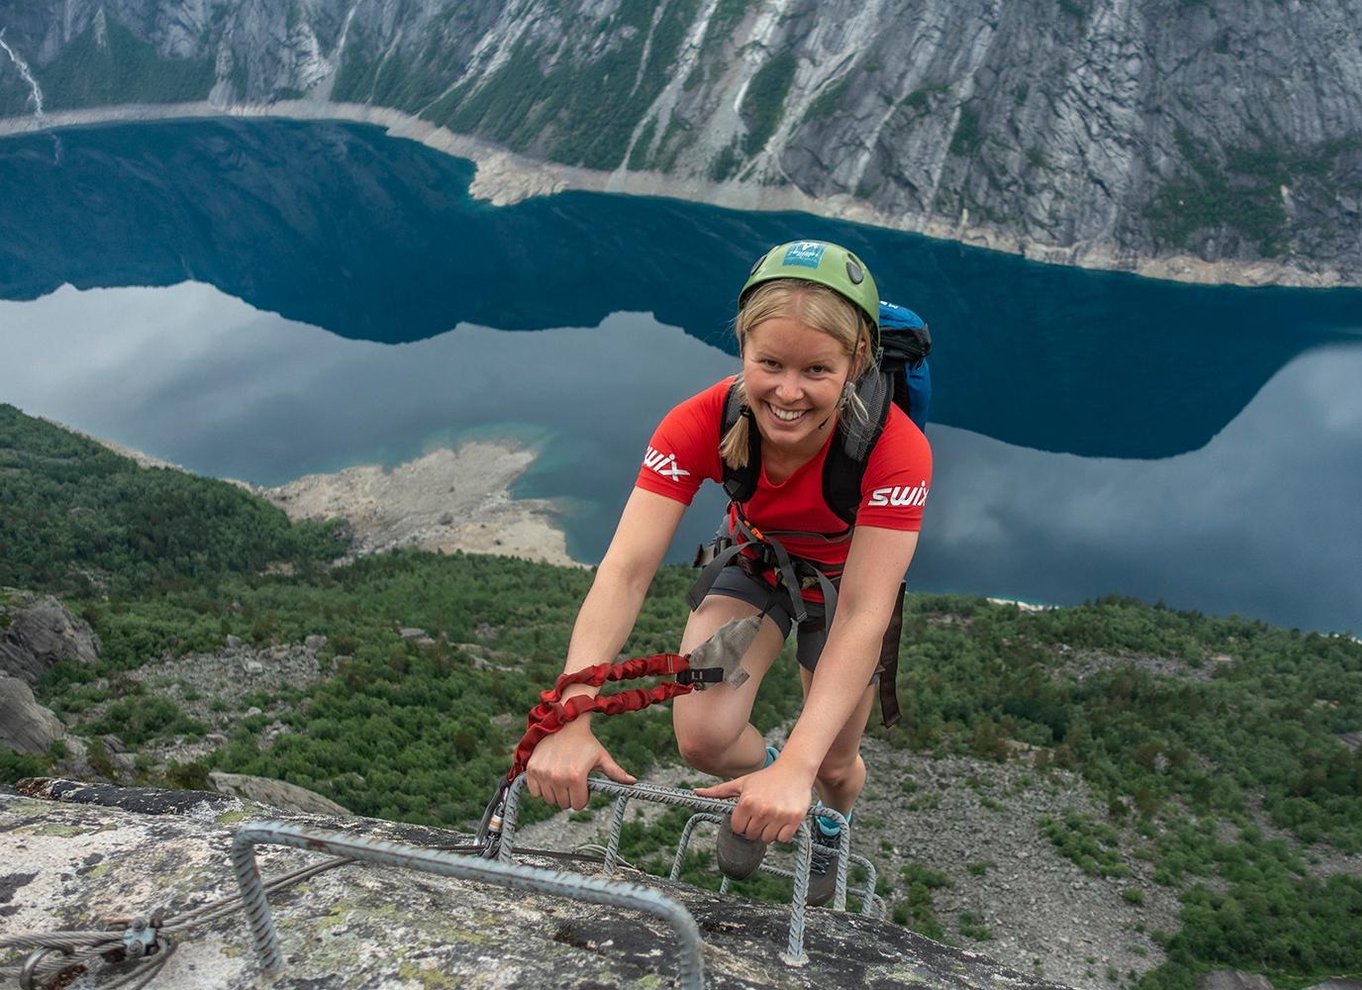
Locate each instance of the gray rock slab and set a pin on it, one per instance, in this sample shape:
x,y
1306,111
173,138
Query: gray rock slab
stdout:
x,y
25,725
368,927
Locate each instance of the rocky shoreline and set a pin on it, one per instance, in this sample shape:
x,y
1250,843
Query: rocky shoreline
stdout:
x,y
504,177
446,501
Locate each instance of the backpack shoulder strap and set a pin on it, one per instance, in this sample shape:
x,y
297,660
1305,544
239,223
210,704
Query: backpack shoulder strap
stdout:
x,y
740,483
846,460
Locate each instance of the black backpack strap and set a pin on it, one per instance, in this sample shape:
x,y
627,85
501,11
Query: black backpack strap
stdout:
x,y
845,464
889,663
741,483
710,568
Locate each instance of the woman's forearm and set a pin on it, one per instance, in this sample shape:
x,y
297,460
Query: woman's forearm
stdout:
x,y
839,682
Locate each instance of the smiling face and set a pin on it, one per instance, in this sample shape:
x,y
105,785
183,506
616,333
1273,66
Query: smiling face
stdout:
x,y
793,375
800,343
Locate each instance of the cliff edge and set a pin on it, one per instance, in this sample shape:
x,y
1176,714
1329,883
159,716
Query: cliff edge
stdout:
x,y
77,855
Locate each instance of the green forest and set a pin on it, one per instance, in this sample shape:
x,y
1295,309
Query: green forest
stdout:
x,y
1207,738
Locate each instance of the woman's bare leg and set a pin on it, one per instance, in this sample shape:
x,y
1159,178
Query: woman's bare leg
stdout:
x,y
841,778
713,728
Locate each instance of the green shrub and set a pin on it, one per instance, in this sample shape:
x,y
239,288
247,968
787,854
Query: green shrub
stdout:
x,y
764,102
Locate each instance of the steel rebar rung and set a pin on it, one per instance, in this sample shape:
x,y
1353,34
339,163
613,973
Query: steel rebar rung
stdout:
x,y
690,963
794,954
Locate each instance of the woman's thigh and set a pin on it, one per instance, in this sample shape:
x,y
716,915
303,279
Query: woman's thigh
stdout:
x,y
722,711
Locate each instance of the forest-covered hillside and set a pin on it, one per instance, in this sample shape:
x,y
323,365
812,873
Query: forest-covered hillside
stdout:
x,y
1217,748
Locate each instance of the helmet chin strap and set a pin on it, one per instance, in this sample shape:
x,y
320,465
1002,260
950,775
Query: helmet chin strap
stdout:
x,y
846,394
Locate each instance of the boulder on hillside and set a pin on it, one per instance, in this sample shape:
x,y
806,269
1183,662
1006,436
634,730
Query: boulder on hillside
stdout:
x,y
275,794
25,725
1232,979
36,632
371,926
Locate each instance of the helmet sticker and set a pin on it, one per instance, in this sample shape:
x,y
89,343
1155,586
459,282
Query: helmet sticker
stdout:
x,y
806,254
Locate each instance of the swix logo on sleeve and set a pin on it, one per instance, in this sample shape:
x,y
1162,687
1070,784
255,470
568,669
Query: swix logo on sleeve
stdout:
x,y
664,464
899,495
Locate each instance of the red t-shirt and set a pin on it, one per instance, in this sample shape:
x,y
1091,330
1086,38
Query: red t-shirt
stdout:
x,y
684,451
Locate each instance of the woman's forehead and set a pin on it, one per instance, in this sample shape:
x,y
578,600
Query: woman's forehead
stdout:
x,y
791,336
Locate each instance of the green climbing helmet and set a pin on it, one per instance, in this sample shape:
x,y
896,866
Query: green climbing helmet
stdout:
x,y
825,263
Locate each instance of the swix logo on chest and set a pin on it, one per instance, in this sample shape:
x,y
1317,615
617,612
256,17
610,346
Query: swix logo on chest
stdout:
x,y
664,464
899,495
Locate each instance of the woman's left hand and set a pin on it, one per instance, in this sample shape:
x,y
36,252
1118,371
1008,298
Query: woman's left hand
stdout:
x,y
771,802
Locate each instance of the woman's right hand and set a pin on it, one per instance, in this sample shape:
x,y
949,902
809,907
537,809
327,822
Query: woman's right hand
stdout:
x,y
559,765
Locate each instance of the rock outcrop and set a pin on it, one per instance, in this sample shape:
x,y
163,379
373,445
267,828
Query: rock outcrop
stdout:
x,y
275,793
25,725
367,927
36,633
1196,140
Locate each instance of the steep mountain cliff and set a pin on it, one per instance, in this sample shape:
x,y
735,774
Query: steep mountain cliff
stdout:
x,y
1097,132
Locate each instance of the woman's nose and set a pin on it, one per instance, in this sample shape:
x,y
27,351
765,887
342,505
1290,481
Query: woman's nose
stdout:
x,y
788,385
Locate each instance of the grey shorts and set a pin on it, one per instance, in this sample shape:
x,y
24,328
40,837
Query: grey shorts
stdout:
x,y
734,582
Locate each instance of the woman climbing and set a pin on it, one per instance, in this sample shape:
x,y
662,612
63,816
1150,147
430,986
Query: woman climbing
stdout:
x,y
808,333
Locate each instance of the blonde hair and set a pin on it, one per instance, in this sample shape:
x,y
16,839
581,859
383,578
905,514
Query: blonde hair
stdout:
x,y
818,308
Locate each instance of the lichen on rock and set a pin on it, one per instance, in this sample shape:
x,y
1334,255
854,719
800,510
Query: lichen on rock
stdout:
x,y
366,927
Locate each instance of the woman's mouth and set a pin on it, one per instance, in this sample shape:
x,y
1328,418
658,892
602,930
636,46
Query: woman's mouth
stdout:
x,y
786,415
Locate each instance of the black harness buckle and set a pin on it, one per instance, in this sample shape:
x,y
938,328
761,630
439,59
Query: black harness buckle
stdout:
x,y
699,678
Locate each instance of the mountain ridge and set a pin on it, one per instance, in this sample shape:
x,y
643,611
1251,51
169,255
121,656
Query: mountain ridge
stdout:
x,y
1159,139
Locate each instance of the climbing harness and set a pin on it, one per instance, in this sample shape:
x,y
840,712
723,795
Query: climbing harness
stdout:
x,y
741,544
760,553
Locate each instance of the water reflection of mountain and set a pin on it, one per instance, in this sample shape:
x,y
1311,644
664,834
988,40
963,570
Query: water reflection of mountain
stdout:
x,y
371,238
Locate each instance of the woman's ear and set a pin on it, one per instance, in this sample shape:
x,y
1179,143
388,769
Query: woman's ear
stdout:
x,y
858,360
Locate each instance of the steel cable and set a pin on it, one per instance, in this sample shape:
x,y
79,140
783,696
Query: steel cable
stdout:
x,y
102,949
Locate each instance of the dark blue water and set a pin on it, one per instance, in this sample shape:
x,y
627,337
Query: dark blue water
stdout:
x,y
318,295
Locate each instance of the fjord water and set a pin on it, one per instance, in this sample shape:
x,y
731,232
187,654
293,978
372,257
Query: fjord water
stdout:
x,y
268,299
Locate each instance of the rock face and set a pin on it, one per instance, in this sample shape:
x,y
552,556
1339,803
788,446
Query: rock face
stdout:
x,y
1228,979
36,632
1160,137
275,793
25,725
367,927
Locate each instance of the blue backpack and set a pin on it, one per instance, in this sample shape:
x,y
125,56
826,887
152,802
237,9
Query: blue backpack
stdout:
x,y
912,342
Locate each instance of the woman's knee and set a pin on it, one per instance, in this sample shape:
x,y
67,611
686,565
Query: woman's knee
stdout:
x,y
702,748
840,770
